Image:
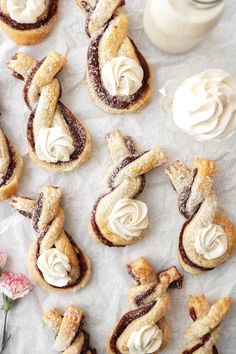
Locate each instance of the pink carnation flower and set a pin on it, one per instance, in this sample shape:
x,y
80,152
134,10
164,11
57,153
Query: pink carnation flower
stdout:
x,y
3,260
14,285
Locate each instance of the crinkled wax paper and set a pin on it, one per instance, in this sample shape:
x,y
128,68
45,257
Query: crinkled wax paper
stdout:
x,y
105,298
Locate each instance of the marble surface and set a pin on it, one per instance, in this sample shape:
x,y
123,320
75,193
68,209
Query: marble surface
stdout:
x,y
105,297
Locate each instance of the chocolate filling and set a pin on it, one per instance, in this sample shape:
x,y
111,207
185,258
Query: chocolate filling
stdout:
x,y
37,212
86,346
128,318
80,256
28,81
130,144
95,227
183,254
193,315
140,299
25,214
126,161
183,198
12,164
51,11
111,180
132,274
89,9
204,340
117,102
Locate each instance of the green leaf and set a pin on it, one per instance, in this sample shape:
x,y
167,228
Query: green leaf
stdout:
x,y
7,303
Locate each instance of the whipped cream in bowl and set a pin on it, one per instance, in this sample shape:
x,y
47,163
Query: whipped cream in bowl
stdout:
x,y
204,105
25,11
198,104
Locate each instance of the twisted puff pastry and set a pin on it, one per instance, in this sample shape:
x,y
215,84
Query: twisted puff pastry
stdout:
x,y
149,302
70,336
11,164
41,94
48,222
125,179
29,33
197,202
108,26
203,334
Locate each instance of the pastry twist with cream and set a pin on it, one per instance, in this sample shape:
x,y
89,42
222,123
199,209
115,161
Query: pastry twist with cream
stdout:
x,y
203,334
118,219
28,22
55,262
57,140
144,329
208,237
118,76
70,336
11,164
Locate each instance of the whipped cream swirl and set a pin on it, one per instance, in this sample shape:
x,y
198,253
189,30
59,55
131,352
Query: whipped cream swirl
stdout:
x,y
54,144
122,76
204,105
128,218
25,11
54,266
211,242
147,340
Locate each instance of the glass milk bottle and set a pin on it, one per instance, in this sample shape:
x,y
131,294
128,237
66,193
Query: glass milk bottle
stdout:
x,y
176,26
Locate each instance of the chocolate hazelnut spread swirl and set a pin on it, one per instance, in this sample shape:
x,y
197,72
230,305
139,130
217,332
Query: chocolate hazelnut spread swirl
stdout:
x,y
70,335
148,302
197,202
57,139
125,179
10,167
53,242
204,332
108,26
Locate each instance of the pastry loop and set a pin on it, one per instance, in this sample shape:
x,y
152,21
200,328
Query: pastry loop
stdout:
x,y
125,180
57,139
117,73
54,260
208,237
149,302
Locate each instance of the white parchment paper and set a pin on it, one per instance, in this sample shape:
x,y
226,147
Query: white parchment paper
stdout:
x,y
105,298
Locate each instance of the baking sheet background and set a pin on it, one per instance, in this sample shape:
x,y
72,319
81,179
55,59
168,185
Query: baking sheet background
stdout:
x,y
105,298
